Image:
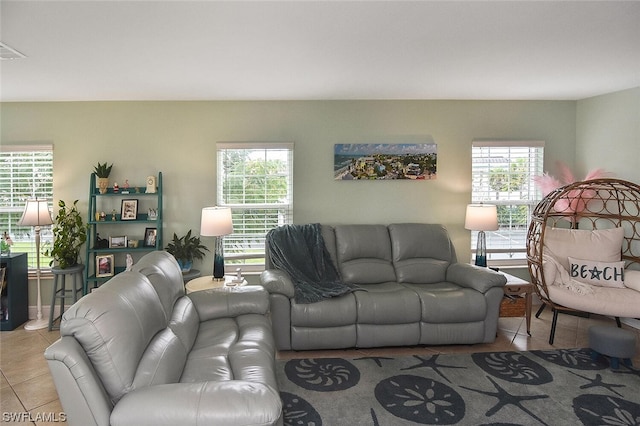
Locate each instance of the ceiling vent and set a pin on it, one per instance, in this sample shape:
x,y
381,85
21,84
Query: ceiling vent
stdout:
x,y
7,53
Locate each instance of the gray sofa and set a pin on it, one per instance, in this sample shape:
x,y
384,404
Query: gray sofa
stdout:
x,y
137,351
414,292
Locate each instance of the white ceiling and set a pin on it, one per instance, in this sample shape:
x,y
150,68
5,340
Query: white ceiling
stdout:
x,y
242,50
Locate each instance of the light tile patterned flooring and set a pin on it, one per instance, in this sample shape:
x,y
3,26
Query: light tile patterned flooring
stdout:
x,y
26,385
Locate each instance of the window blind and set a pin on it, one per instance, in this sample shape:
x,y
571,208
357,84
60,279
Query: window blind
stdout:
x,y
502,174
256,181
26,172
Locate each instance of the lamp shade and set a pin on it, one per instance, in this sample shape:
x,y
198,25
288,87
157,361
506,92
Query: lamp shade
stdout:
x,y
481,217
216,221
36,213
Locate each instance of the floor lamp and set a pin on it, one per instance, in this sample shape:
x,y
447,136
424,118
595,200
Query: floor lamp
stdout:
x,y
216,222
36,213
481,217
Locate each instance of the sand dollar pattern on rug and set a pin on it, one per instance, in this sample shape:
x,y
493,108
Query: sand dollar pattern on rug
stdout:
x,y
513,367
323,374
528,387
420,400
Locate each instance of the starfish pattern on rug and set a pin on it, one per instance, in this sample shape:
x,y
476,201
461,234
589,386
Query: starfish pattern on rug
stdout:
x,y
598,382
379,390
374,418
376,359
432,363
505,398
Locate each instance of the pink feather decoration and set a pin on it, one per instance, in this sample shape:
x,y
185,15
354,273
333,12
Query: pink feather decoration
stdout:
x,y
576,200
597,174
566,175
547,183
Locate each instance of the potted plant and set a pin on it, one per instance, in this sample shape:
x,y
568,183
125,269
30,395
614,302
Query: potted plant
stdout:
x,y
102,172
69,234
186,249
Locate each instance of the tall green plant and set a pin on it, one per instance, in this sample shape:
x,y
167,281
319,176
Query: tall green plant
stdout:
x,y
69,234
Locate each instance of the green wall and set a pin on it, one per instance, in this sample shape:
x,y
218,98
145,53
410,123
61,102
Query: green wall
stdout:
x,y
178,138
608,134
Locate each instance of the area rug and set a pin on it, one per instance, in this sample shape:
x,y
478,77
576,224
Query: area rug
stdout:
x,y
559,387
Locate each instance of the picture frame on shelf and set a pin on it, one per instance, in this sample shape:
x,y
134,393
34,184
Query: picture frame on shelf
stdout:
x,y
104,265
129,209
150,235
118,242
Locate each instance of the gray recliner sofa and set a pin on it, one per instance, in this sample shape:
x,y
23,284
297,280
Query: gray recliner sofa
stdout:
x,y
137,351
413,291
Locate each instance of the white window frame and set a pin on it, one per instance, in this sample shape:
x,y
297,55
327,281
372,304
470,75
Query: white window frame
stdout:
x,y
245,246
14,196
507,245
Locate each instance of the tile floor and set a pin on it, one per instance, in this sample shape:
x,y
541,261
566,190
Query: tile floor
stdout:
x,y
26,385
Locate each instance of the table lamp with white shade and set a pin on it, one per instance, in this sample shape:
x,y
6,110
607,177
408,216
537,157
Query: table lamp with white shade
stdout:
x,y
216,222
481,217
36,213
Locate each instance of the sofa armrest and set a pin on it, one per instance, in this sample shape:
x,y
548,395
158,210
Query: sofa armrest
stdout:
x,y
233,402
230,302
277,281
81,392
470,276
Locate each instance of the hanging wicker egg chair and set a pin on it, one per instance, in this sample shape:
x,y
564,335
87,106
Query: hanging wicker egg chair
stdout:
x,y
587,205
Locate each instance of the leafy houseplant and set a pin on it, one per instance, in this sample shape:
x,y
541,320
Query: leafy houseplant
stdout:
x,y
186,249
69,234
102,172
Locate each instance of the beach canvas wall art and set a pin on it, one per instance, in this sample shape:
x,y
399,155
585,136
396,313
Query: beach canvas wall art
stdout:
x,y
385,161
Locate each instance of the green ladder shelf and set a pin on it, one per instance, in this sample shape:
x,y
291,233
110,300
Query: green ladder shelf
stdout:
x,y
133,229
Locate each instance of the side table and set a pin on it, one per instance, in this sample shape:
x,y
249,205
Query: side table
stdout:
x,y
518,287
207,282
188,276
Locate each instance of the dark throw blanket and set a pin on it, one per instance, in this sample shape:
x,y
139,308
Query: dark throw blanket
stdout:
x,y
300,251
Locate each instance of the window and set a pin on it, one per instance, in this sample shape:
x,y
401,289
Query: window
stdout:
x,y
256,181
502,174
26,171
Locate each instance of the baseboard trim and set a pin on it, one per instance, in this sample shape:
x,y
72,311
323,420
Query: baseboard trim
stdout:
x,y
33,311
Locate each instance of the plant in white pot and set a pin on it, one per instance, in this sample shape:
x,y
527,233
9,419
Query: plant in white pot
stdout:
x,y
102,172
186,249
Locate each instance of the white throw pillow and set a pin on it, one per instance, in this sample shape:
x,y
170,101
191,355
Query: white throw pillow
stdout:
x,y
603,245
632,279
604,274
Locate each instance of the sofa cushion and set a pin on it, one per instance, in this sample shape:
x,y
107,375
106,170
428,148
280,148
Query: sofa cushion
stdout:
x,y
444,303
162,270
415,261
162,362
185,322
332,312
125,312
329,237
387,303
364,254
226,347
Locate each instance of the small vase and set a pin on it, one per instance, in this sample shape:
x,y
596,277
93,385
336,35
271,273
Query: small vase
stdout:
x,y
103,184
185,265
